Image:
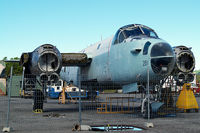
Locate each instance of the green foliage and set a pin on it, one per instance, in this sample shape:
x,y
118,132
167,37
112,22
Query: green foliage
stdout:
x,y
17,69
197,72
198,78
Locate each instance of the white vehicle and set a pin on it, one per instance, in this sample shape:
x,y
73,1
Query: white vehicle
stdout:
x,y
55,90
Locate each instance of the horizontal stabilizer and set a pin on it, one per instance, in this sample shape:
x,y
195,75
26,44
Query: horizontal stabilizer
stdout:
x,y
155,106
130,88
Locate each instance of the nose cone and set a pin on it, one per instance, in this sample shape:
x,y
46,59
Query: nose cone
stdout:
x,y
162,58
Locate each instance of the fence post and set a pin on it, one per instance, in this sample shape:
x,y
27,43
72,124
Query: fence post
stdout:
x,y
148,93
79,86
22,85
7,128
148,123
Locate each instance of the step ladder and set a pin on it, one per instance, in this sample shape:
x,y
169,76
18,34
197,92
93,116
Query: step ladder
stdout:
x,y
62,97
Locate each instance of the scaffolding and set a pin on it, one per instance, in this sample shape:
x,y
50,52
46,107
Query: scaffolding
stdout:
x,y
116,105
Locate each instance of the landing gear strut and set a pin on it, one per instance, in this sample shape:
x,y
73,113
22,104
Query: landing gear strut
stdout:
x,y
144,109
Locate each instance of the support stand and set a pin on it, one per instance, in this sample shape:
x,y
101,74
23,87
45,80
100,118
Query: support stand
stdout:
x,y
186,99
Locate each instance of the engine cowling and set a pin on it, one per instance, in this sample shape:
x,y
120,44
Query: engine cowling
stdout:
x,y
46,61
184,64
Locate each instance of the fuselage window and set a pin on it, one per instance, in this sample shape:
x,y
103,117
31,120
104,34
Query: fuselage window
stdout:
x,y
146,48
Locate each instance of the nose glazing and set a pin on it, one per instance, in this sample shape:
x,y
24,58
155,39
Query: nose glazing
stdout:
x,y
162,58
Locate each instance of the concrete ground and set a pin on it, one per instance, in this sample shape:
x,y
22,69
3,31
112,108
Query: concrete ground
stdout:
x,y
60,118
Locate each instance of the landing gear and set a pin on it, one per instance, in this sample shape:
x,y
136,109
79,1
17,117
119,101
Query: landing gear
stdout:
x,y
144,109
38,98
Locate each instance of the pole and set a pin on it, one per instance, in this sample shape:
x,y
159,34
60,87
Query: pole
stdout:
x,y
9,91
148,123
79,83
148,93
22,85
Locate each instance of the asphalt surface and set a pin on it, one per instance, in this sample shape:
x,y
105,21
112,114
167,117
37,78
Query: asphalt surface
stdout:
x,y
61,118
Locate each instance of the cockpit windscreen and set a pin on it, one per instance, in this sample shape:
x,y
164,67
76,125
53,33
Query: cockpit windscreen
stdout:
x,y
133,31
139,31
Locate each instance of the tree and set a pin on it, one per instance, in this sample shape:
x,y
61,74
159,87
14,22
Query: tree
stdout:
x,y
198,78
5,58
17,69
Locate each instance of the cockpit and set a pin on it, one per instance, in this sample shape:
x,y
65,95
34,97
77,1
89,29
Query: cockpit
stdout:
x,y
133,31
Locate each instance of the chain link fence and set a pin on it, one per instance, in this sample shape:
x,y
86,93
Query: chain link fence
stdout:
x,y
43,107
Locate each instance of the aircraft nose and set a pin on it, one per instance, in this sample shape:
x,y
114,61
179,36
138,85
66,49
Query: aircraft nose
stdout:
x,y
162,58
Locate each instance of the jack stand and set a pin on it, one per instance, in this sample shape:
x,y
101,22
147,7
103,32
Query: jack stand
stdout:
x,y
186,99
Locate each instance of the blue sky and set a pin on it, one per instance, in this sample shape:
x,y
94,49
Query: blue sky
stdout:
x,y
72,25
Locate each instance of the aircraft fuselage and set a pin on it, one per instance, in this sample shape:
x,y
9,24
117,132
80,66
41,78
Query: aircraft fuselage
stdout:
x,y
125,62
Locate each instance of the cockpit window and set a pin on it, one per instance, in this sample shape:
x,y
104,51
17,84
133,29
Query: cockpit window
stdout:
x,y
149,32
133,31
121,37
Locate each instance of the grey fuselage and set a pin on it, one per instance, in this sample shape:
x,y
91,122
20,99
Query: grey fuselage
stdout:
x,y
123,63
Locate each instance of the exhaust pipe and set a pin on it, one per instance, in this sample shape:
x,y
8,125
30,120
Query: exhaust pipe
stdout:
x,y
49,78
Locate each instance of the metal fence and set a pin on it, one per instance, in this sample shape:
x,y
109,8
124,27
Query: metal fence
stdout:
x,y
41,107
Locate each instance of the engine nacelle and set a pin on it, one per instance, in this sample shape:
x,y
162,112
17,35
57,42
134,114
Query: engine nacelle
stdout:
x,y
185,61
184,64
46,61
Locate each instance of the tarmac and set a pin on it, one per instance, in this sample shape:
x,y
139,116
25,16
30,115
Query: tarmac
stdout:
x,y
61,118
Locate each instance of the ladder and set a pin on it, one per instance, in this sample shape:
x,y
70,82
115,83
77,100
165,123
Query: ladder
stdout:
x,y
62,97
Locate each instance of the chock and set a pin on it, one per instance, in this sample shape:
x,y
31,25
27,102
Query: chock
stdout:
x,y
38,111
